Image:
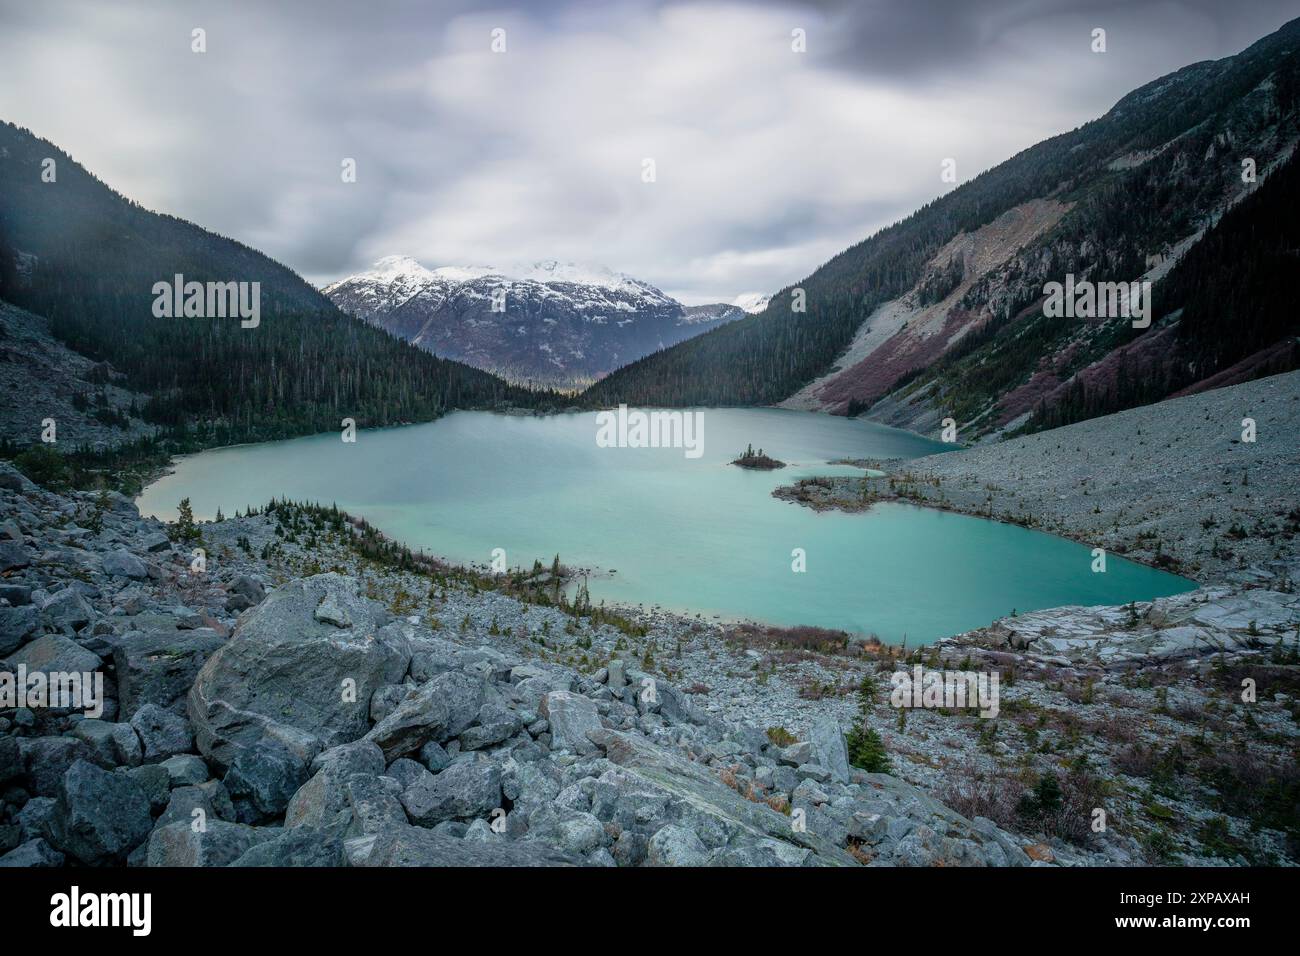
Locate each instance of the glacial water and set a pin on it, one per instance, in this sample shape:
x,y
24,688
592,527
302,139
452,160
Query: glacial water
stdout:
x,y
661,528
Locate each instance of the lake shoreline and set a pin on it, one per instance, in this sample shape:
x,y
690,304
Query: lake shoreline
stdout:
x,y
1154,484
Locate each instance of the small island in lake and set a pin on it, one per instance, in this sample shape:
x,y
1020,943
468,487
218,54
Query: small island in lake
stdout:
x,y
756,459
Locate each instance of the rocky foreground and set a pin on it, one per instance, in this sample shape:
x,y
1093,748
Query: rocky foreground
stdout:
x,y
256,717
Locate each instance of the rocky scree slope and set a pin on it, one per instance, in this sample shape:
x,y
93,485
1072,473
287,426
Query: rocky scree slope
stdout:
x,y
42,378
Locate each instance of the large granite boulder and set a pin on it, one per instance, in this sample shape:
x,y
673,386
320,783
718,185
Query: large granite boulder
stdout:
x,y
300,668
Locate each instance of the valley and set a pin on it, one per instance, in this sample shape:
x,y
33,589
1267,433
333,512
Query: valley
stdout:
x,y
531,563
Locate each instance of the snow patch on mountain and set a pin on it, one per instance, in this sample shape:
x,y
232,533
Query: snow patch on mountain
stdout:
x,y
752,302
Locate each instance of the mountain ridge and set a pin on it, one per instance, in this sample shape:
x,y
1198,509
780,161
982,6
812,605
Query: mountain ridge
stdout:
x,y
1156,169
560,324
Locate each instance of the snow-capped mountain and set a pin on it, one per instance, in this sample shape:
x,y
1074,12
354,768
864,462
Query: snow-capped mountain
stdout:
x,y
752,302
552,323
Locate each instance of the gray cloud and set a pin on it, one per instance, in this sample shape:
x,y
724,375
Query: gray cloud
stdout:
x,y
768,161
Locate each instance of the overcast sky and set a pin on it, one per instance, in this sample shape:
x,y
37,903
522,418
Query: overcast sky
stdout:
x,y
767,161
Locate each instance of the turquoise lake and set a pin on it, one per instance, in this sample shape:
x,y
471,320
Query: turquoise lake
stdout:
x,y
688,534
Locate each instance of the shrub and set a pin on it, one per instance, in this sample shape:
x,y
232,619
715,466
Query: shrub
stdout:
x,y
43,465
780,737
867,750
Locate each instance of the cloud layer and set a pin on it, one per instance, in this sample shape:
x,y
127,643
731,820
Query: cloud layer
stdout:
x,y
767,161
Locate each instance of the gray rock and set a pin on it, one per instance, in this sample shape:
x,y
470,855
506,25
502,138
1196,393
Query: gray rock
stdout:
x,y
55,653
67,607
829,749
126,742
17,624
15,594
673,845
218,843
495,724
797,754
154,782
123,564
439,709
99,737
360,756
262,780
716,813
813,771
468,788
162,733
33,853
247,587
433,756
301,846
764,854
319,801
572,717
573,831
100,816
386,699
47,759
13,555
159,667
11,759
288,674
153,543
185,800
415,846
35,818
185,770
406,771
374,809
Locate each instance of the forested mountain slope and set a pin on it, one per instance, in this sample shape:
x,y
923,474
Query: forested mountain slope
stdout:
x,y
941,314
87,258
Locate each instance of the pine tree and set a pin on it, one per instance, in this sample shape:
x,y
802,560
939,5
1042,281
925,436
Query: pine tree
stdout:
x,y
866,748
185,529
